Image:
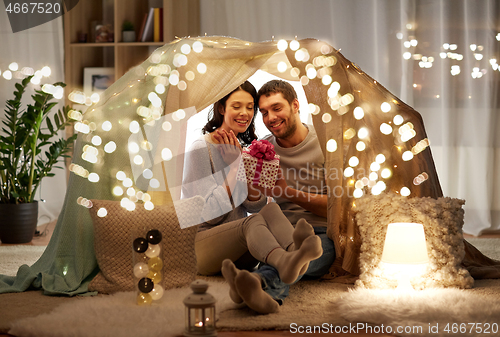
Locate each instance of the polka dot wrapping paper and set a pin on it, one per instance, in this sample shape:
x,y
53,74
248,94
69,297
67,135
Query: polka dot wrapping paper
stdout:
x,y
258,171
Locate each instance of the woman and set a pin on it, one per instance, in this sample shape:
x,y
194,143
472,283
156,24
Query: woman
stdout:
x,y
228,232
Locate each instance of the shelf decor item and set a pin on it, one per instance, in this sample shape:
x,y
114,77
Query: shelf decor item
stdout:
x,y
148,32
200,311
30,147
128,32
97,79
104,33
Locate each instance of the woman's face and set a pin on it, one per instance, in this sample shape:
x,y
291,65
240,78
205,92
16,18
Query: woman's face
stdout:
x,y
238,112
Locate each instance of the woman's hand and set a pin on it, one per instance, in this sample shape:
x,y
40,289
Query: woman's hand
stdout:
x,y
230,147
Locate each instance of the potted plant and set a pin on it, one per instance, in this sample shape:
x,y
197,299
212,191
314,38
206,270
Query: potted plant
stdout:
x,y
128,32
26,132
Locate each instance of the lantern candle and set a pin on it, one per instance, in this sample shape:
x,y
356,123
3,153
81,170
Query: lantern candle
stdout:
x,y
200,311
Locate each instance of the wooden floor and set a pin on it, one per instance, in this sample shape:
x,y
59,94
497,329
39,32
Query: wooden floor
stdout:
x,y
287,333
272,334
46,231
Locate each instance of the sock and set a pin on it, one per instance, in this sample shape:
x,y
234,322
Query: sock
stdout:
x,y
291,264
302,231
250,289
229,271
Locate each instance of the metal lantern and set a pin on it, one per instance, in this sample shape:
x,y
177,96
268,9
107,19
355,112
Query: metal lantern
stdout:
x,y
200,311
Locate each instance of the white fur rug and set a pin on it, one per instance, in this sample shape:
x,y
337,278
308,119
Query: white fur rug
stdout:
x,y
117,315
432,312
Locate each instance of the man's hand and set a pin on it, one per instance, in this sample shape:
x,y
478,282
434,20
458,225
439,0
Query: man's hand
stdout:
x,y
280,185
276,191
315,203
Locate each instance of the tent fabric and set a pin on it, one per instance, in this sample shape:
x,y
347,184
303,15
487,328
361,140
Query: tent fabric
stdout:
x,y
140,125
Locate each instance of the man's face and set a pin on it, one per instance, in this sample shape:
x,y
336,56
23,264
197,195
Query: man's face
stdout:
x,y
279,116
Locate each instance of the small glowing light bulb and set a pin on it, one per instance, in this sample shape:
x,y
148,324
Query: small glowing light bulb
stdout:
x,y
358,113
360,146
405,191
353,161
331,145
386,173
398,120
102,212
385,107
348,172
358,193
380,158
282,45
407,155
363,133
385,128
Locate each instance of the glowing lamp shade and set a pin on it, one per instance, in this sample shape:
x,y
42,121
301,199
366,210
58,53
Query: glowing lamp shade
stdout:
x,y
405,244
405,252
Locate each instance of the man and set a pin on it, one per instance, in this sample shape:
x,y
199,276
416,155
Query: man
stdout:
x,y
300,192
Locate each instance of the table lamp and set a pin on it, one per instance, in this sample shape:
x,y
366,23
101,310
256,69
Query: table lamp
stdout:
x,y
405,253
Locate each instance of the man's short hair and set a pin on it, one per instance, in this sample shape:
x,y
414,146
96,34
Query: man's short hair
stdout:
x,y
278,86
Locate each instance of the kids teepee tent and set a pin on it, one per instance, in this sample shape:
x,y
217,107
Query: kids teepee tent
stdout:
x,y
131,144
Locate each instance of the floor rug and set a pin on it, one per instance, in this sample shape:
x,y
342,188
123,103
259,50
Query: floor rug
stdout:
x,y
12,257
488,246
430,312
312,306
116,315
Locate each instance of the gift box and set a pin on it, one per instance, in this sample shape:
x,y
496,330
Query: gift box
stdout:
x,y
259,164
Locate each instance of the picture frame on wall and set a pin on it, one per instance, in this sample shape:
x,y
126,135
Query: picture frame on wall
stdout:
x,y
98,79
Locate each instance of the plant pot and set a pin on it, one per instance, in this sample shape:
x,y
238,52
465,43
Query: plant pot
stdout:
x,y
128,36
18,222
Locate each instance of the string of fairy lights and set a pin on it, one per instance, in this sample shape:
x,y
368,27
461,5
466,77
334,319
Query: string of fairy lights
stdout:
x,y
450,51
14,71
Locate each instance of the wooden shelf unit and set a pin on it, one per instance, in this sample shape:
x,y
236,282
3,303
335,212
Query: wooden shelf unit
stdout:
x,y
180,18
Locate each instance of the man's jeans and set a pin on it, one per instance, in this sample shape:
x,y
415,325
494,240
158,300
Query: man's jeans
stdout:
x,y
271,282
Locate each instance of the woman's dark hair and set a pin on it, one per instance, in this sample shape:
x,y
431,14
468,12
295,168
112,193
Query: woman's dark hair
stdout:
x,y
215,118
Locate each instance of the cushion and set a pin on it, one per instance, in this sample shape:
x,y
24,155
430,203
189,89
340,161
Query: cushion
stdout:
x,y
115,232
442,218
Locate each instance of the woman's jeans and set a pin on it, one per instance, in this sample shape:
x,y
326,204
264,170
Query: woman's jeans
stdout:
x,y
271,282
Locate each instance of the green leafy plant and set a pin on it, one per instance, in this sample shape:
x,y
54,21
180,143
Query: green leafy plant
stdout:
x,y
127,26
25,132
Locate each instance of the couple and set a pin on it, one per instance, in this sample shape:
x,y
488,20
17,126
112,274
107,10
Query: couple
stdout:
x,y
288,237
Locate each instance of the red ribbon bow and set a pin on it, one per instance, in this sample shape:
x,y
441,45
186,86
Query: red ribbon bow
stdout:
x,y
262,149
